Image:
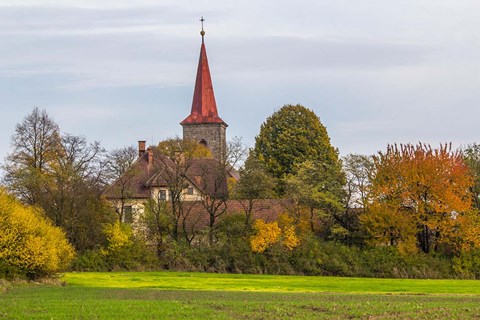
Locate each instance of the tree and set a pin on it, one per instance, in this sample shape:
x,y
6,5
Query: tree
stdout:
x,y
319,188
71,191
291,136
254,184
29,242
118,162
416,195
35,144
236,153
174,159
158,221
119,169
282,231
471,155
62,174
358,169
213,179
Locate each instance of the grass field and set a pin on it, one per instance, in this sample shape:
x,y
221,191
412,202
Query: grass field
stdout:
x,y
175,295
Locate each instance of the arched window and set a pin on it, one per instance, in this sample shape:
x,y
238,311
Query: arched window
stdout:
x,y
203,142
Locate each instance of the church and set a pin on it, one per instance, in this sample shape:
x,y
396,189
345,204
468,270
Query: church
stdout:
x,y
151,176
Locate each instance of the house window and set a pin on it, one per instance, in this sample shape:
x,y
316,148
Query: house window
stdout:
x,y
190,191
128,214
162,195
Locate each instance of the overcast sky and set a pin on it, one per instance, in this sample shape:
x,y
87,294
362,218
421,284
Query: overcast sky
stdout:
x,y
117,71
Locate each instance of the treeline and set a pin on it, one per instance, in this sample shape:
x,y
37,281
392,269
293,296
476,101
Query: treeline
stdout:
x,y
410,211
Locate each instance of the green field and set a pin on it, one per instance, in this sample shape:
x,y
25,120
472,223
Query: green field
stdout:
x,y
175,295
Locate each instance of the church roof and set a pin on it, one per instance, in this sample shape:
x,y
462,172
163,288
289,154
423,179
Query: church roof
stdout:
x,y
147,173
204,107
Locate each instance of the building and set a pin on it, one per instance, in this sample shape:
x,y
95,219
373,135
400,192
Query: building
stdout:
x,y
157,176
203,124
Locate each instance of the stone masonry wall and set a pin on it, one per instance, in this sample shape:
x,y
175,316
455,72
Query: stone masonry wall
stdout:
x,y
214,135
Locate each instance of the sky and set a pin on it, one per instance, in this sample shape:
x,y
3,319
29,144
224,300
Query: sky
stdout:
x,y
376,72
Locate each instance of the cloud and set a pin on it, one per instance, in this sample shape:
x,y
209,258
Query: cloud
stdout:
x,y
375,72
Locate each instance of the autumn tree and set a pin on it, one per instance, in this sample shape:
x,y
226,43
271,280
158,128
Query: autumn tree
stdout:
x,y
282,231
291,136
28,240
417,194
61,173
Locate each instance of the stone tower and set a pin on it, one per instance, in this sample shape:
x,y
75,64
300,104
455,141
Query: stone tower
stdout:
x,y
203,124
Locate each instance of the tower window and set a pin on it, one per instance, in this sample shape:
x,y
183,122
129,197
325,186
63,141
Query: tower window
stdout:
x,y
203,142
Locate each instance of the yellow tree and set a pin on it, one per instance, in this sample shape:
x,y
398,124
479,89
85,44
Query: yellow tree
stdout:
x,y
28,240
417,194
281,231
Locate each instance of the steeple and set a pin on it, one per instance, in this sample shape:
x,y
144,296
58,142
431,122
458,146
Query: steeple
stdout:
x,y
204,107
203,124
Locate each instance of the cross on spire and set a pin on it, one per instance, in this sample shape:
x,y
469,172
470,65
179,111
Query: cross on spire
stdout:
x,y
202,32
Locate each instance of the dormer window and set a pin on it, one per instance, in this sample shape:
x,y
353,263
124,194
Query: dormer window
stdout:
x,y
190,191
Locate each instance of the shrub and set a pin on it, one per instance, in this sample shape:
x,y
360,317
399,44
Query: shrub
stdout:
x,y
30,245
125,251
91,260
467,264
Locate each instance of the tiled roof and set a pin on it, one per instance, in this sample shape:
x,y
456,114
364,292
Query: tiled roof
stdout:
x,y
204,107
205,174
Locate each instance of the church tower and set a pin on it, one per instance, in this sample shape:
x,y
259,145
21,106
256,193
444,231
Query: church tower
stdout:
x,y
203,124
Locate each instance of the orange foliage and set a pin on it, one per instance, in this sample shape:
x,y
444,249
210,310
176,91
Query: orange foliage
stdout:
x,y
417,191
468,232
267,234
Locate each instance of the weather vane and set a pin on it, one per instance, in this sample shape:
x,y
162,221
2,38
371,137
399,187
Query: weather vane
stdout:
x,y
202,32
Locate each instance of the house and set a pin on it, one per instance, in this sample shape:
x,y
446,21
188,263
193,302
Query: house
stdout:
x,y
157,176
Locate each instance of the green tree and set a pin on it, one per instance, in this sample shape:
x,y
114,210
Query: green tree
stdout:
x,y
158,221
255,184
319,188
291,136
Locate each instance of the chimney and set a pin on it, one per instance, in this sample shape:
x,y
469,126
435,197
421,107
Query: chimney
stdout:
x,y
141,148
150,155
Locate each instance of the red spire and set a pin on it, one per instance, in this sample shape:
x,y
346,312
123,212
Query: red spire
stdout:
x,y
204,108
